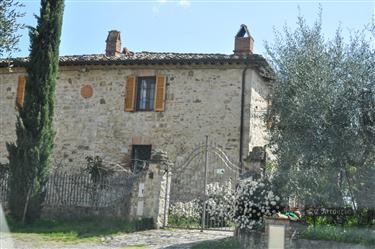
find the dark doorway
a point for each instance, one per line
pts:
(141, 154)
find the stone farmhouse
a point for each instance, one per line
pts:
(121, 104)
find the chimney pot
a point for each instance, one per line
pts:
(113, 43)
(127, 52)
(243, 42)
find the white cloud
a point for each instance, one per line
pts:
(184, 3)
(162, 1)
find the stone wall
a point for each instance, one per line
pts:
(256, 135)
(260, 91)
(72, 213)
(199, 101)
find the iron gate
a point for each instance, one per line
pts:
(202, 189)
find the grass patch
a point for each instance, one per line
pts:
(183, 222)
(135, 247)
(80, 230)
(341, 234)
(226, 243)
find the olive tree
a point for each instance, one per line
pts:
(9, 13)
(323, 115)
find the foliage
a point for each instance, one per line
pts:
(98, 174)
(323, 116)
(96, 169)
(246, 205)
(134, 247)
(190, 211)
(9, 13)
(255, 200)
(183, 221)
(341, 234)
(221, 203)
(227, 243)
(78, 230)
(29, 156)
(219, 208)
(363, 217)
(4, 168)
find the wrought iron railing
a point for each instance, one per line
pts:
(81, 190)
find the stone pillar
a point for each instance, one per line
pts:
(291, 230)
(148, 200)
(255, 163)
(250, 239)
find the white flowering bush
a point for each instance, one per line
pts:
(246, 205)
(254, 200)
(219, 207)
(191, 209)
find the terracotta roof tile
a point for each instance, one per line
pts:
(154, 58)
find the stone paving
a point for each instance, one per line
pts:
(171, 239)
(151, 239)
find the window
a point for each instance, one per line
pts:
(145, 93)
(141, 154)
(21, 91)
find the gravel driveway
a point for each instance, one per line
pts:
(151, 239)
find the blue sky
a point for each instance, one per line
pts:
(202, 26)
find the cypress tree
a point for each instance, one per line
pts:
(29, 156)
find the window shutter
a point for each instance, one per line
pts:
(21, 90)
(160, 90)
(130, 93)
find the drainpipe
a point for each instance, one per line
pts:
(242, 115)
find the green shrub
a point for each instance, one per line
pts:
(341, 234)
(96, 168)
(188, 222)
(4, 168)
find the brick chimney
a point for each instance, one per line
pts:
(243, 42)
(113, 43)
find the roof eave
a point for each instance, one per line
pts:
(258, 62)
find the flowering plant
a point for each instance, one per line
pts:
(246, 205)
(191, 209)
(219, 206)
(254, 200)
(220, 202)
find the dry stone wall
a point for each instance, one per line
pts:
(260, 91)
(199, 101)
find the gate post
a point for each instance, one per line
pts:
(166, 199)
(205, 184)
